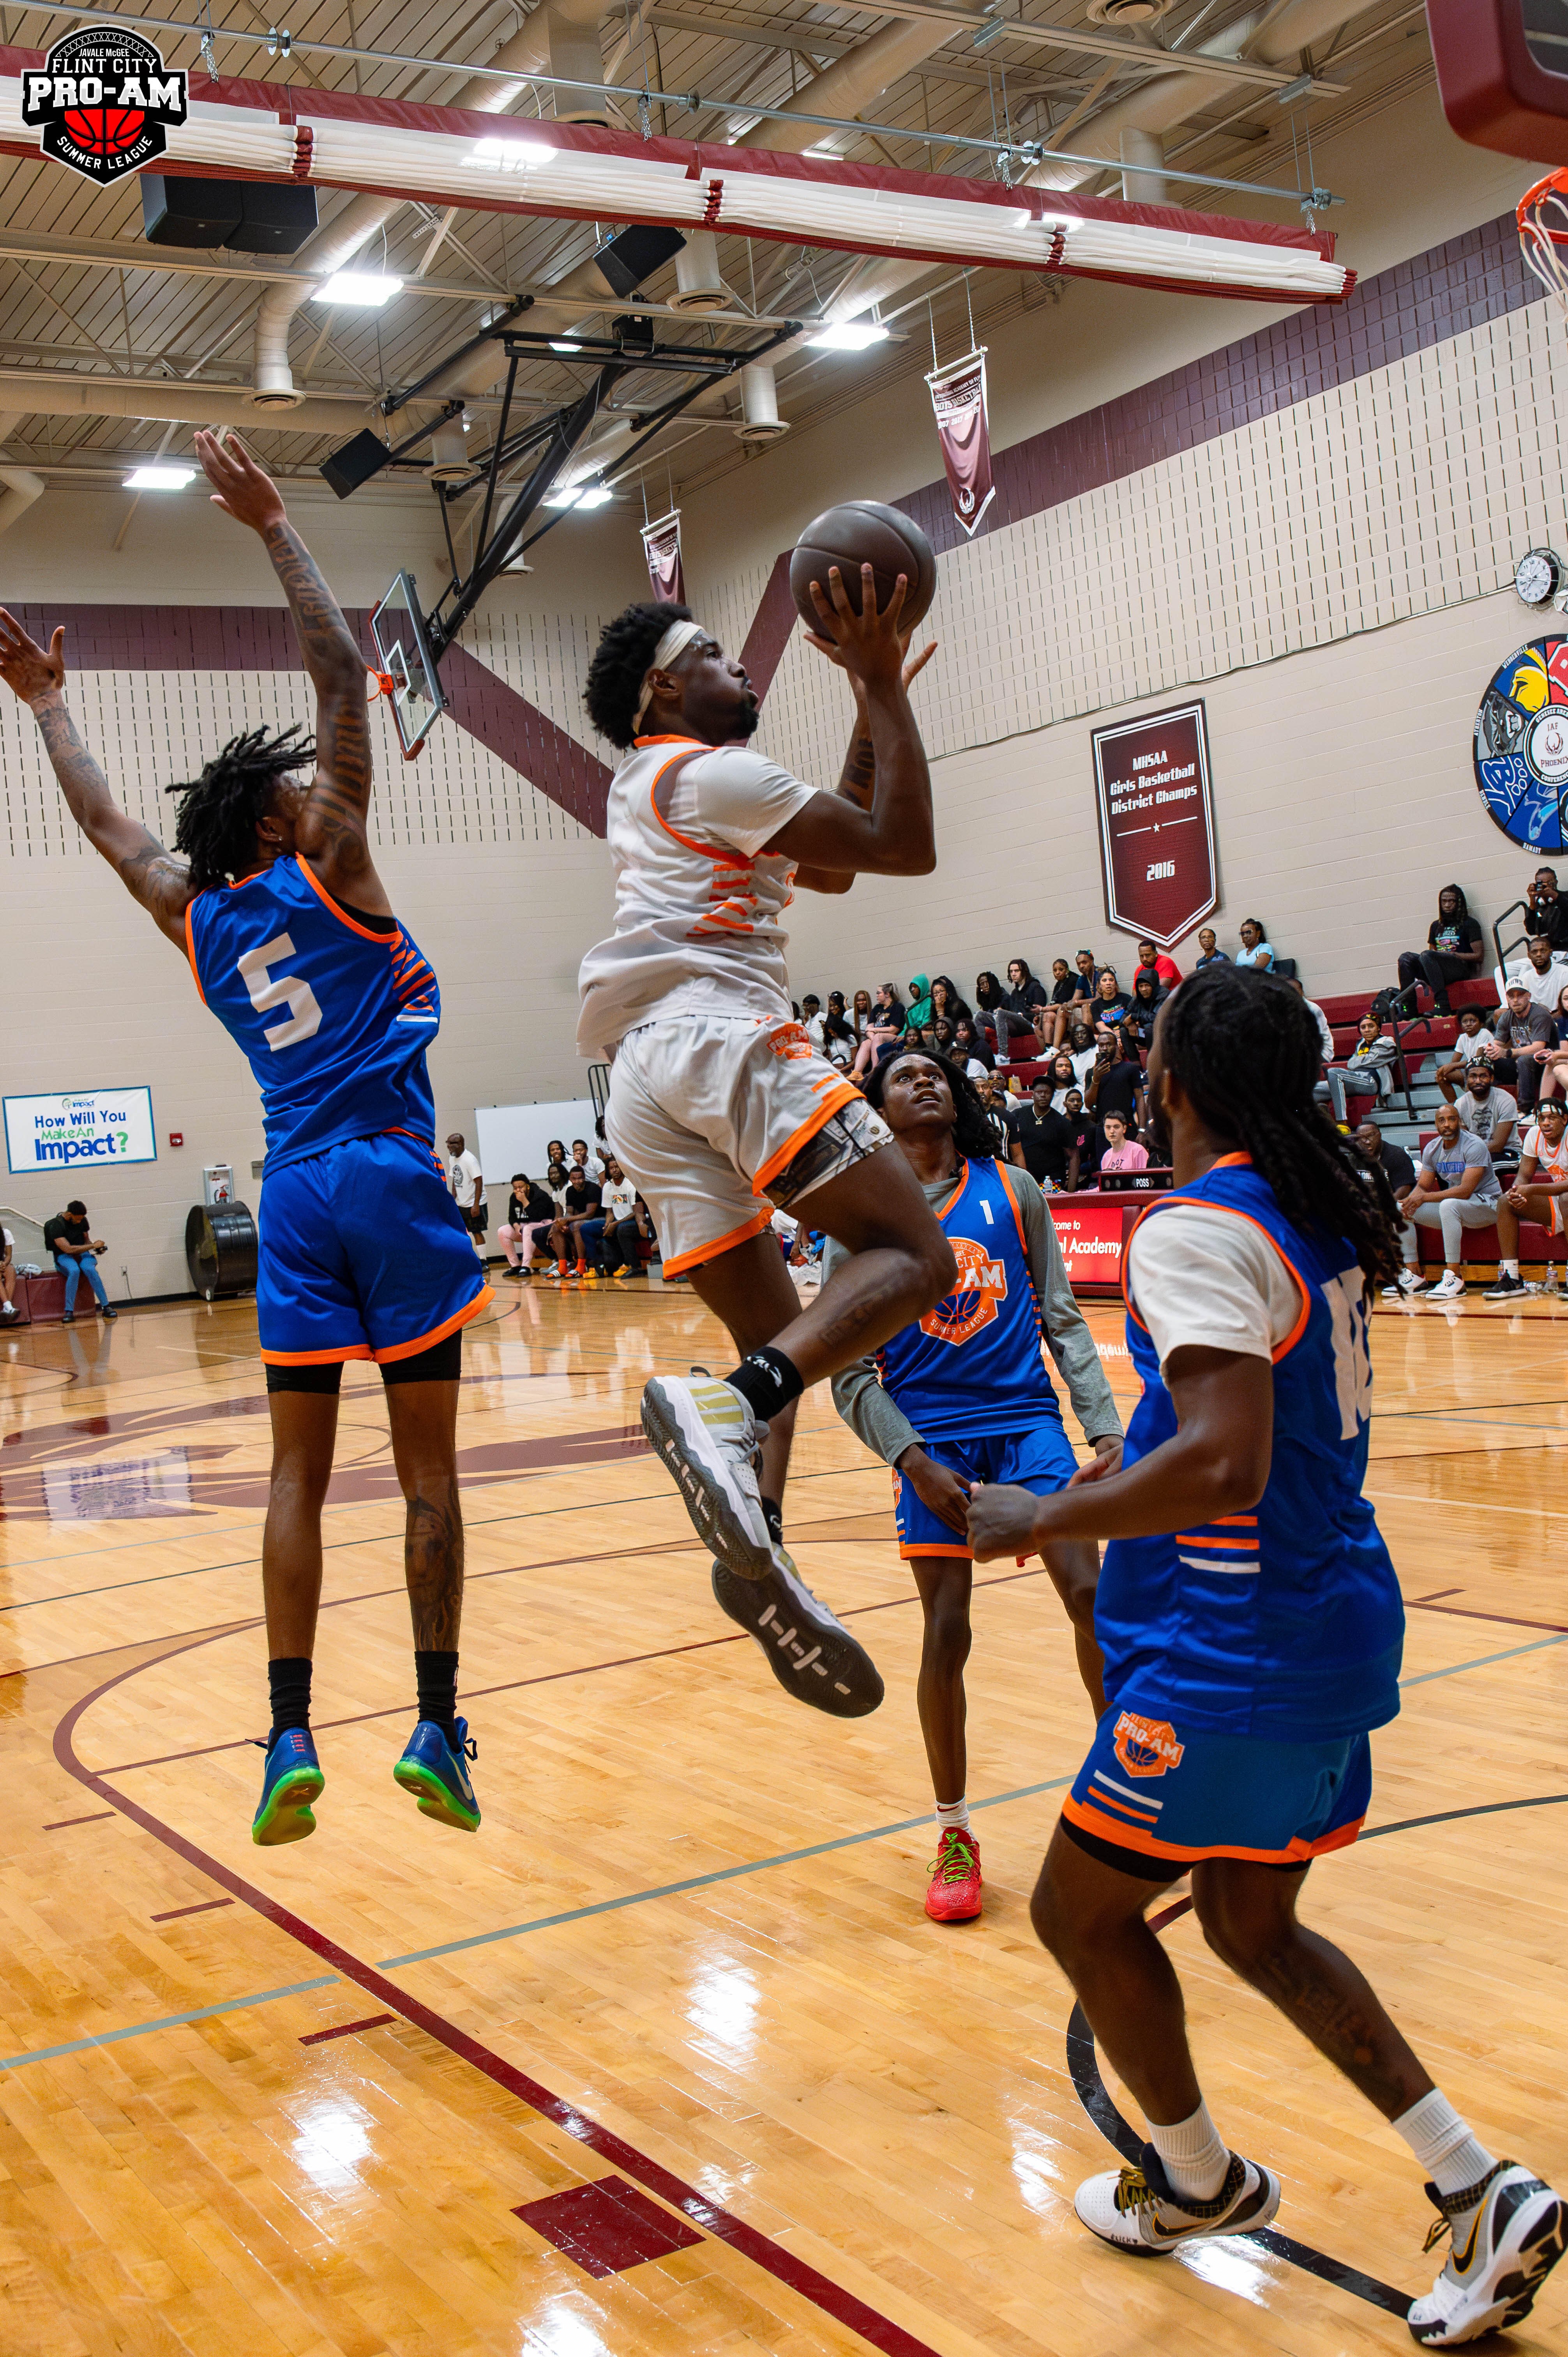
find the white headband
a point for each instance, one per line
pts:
(675, 641)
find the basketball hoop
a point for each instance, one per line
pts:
(1542, 216)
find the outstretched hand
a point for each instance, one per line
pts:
(240, 487)
(26, 671)
(868, 644)
(913, 664)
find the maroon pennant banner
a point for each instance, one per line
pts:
(661, 546)
(958, 397)
(1157, 822)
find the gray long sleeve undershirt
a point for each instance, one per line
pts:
(874, 1415)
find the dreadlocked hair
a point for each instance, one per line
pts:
(616, 674)
(971, 1131)
(1247, 1053)
(217, 824)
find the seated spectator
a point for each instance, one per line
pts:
(1087, 1136)
(611, 1242)
(583, 1159)
(1042, 1141)
(579, 1203)
(1060, 1079)
(8, 1275)
(993, 1097)
(529, 1213)
(969, 1050)
(1115, 1081)
(1121, 1152)
(1165, 971)
(1081, 1046)
(1544, 913)
(946, 1003)
(1065, 996)
(1536, 1194)
(1455, 1188)
(1209, 950)
(811, 1019)
(1028, 997)
(999, 1023)
(839, 1043)
(1519, 1048)
(1148, 996)
(919, 1015)
(1487, 1111)
(75, 1249)
(1398, 1167)
(1111, 1001)
(883, 1031)
(1255, 951)
(1370, 1065)
(859, 1014)
(1452, 952)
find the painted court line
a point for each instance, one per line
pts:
(169, 2021)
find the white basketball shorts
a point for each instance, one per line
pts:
(719, 1120)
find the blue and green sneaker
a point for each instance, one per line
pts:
(437, 1775)
(291, 1781)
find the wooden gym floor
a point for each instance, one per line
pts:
(668, 2057)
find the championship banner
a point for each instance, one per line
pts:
(958, 397)
(661, 546)
(1157, 822)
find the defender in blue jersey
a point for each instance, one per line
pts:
(962, 1395)
(295, 948)
(1252, 1626)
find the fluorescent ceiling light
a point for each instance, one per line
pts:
(848, 335)
(362, 289)
(565, 344)
(578, 495)
(159, 478)
(512, 154)
(825, 151)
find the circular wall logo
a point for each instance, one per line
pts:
(1521, 746)
(102, 102)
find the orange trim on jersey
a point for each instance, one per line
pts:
(1118, 1831)
(190, 952)
(957, 1191)
(315, 1358)
(437, 1333)
(724, 852)
(1001, 1169)
(844, 1094)
(1281, 1349)
(749, 1228)
(387, 941)
(965, 1555)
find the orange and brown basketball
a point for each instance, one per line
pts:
(857, 532)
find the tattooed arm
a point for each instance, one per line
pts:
(857, 780)
(331, 828)
(152, 874)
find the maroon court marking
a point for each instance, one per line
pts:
(607, 2226)
(202, 1907)
(342, 2029)
(796, 2274)
(1168, 1914)
(60, 1824)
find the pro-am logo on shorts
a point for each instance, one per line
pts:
(1147, 1747)
(790, 1042)
(102, 102)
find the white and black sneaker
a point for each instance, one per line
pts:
(706, 1436)
(1405, 1285)
(1507, 1288)
(1507, 2233)
(1137, 2210)
(811, 1654)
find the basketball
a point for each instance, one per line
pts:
(106, 130)
(857, 532)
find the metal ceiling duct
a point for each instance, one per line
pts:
(698, 285)
(851, 82)
(19, 487)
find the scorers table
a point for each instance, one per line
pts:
(1092, 1228)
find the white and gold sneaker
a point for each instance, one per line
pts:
(1137, 2210)
(706, 1436)
(1507, 2233)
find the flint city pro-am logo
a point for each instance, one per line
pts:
(1147, 1747)
(102, 102)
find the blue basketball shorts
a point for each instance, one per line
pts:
(1152, 1797)
(363, 1255)
(1039, 1457)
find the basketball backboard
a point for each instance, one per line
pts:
(1502, 70)
(403, 644)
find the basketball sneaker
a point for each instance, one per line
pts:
(437, 1775)
(1507, 1288)
(1507, 2234)
(706, 1436)
(291, 1781)
(954, 1894)
(811, 1654)
(1137, 2210)
(1450, 1286)
(1407, 1282)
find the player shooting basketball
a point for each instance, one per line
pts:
(720, 1108)
(295, 948)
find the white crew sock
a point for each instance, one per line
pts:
(1446, 2144)
(1511, 1268)
(954, 1815)
(1196, 2159)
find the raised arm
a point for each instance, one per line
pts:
(857, 778)
(150, 873)
(332, 829)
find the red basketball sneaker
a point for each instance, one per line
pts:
(954, 1894)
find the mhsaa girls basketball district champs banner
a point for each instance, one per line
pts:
(1157, 822)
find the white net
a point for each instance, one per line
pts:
(1542, 216)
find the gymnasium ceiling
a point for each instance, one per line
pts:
(61, 314)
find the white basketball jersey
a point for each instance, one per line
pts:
(698, 904)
